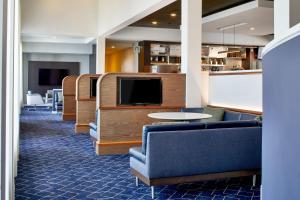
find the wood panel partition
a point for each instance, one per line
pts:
(120, 127)
(69, 100)
(85, 104)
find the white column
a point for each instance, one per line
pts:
(281, 16)
(100, 55)
(191, 40)
(294, 12)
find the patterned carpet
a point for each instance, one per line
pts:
(57, 164)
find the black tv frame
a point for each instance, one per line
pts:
(138, 78)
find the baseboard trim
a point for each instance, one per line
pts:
(69, 116)
(115, 148)
(82, 128)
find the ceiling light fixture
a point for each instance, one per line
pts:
(173, 14)
(234, 49)
(252, 28)
(154, 22)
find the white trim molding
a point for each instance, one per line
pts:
(287, 36)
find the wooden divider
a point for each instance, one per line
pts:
(85, 104)
(69, 100)
(120, 127)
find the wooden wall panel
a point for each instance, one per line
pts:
(125, 124)
(69, 101)
(120, 127)
(85, 105)
(173, 88)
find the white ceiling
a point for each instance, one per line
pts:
(259, 17)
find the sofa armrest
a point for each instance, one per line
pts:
(194, 152)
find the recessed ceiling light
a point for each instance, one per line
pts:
(154, 22)
(252, 28)
(173, 14)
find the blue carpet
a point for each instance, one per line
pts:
(57, 164)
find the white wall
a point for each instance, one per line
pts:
(56, 17)
(117, 14)
(174, 35)
(57, 48)
(236, 91)
(83, 59)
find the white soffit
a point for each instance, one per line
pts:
(36, 38)
(257, 14)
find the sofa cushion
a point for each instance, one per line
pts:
(217, 114)
(169, 127)
(231, 116)
(193, 110)
(246, 116)
(136, 152)
(93, 126)
(231, 124)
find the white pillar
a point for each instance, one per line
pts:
(191, 40)
(281, 16)
(100, 55)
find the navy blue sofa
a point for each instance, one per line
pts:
(179, 153)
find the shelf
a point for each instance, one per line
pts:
(237, 58)
(159, 55)
(165, 63)
(212, 65)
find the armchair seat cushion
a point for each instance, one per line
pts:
(94, 134)
(136, 152)
(93, 126)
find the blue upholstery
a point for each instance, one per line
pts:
(231, 124)
(216, 113)
(194, 110)
(173, 127)
(231, 116)
(198, 148)
(94, 134)
(184, 153)
(246, 116)
(93, 126)
(228, 115)
(136, 152)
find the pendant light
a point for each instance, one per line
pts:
(234, 49)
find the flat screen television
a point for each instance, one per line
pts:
(139, 91)
(93, 92)
(52, 77)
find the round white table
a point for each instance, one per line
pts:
(179, 116)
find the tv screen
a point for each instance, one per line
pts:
(52, 76)
(139, 91)
(93, 92)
